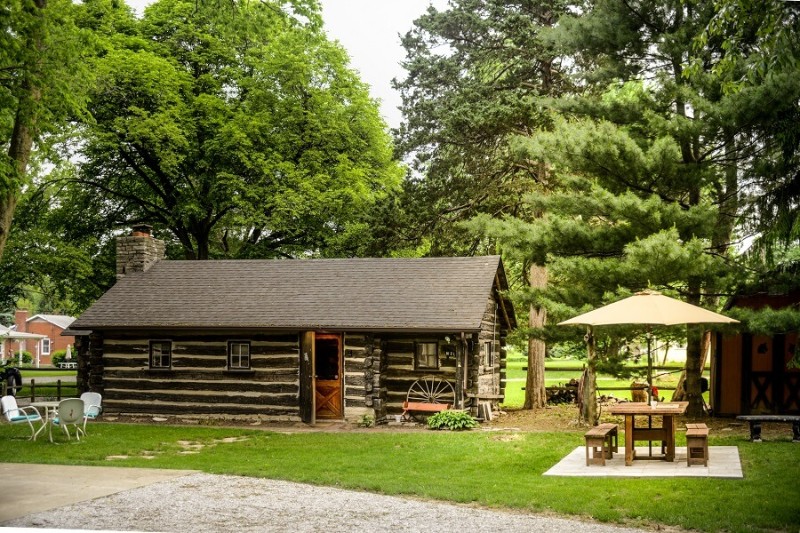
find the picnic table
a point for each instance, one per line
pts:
(665, 434)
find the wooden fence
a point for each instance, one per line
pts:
(579, 371)
(44, 389)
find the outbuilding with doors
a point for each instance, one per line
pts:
(751, 373)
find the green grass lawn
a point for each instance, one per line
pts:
(495, 469)
(55, 373)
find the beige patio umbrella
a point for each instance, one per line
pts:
(650, 308)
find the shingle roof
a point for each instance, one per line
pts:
(343, 294)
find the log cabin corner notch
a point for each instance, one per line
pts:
(297, 340)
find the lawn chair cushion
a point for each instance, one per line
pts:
(24, 418)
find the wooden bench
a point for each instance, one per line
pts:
(601, 443)
(419, 407)
(696, 444)
(756, 421)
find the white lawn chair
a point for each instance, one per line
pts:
(92, 407)
(69, 413)
(21, 415)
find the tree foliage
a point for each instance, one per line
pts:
(760, 44)
(41, 75)
(475, 72)
(57, 259)
(239, 128)
(637, 169)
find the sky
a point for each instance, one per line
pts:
(370, 32)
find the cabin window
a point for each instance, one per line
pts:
(238, 355)
(45, 346)
(160, 354)
(426, 355)
(487, 354)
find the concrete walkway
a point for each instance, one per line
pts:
(32, 488)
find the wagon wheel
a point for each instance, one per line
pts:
(430, 389)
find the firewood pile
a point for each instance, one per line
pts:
(563, 393)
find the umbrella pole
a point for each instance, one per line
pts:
(649, 368)
(649, 387)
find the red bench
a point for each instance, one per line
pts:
(418, 407)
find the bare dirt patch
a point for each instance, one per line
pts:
(564, 417)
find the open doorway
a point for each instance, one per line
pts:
(328, 389)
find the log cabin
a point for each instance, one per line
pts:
(293, 340)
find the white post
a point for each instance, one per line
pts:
(21, 348)
(38, 350)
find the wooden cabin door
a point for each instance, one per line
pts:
(328, 390)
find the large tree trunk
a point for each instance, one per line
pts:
(728, 199)
(535, 391)
(694, 370)
(21, 142)
(8, 203)
(19, 151)
(588, 390)
(680, 389)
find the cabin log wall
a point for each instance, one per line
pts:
(489, 369)
(399, 371)
(379, 369)
(199, 381)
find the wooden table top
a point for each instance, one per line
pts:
(641, 408)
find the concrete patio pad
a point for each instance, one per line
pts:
(723, 461)
(30, 488)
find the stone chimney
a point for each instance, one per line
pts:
(138, 251)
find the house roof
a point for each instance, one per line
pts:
(432, 294)
(9, 333)
(62, 321)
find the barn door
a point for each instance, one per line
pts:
(307, 409)
(328, 397)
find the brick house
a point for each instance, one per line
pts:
(51, 326)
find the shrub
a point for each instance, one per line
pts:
(366, 421)
(57, 357)
(452, 420)
(27, 358)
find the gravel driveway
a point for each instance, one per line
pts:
(205, 502)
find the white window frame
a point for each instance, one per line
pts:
(235, 359)
(419, 364)
(161, 356)
(46, 345)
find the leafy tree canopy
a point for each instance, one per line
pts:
(239, 129)
(41, 76)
